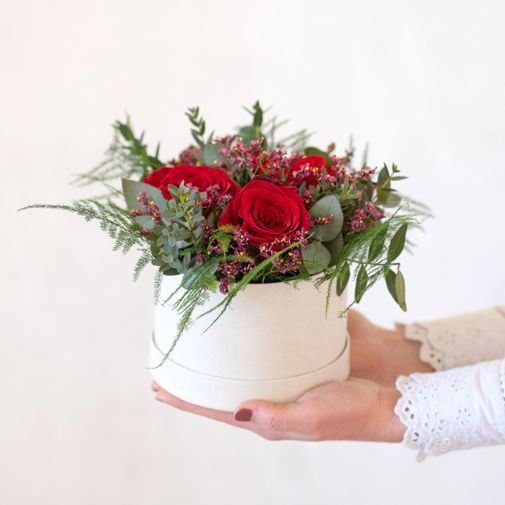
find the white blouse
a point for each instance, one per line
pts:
(462, 404)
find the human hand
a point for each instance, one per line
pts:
(356, 409)
(381, 355)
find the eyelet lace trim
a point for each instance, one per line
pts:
(502, 379)
(452, 410)
(461, 340)
(436, 413)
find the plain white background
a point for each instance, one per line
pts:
(422, 81)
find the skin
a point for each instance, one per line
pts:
(361, 408)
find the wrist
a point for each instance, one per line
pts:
(389, 426)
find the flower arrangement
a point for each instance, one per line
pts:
(248, 208)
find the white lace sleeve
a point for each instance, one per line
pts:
(454, 409)
(461, 340)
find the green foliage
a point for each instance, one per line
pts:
(395, 283)
(253, 131)
(257, 116)
(131, 190)
(157, 286)
(179, 238)
(327, 207)
(144, 259)
(377, 244)
(198, 123)
(316, 257)
(335, 247)
(373, 262)
(126, 158)
(400, 290)
(223, 237)
(361, 283)
(397, 242)
(211, 155)
(390, 278)
(173, 240)
(387, 196)
(343, 277)
(297, 141)
(116, 222)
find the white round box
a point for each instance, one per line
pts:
(274, 342)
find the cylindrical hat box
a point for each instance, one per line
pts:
(275, 342)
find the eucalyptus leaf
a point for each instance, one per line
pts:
(361, 284)
(146, 222)
(181, 244)
(131, 190)
(335, 247)
(247, 133)
(328, 206)
(397, 242)
(316, 257)
(211, 154)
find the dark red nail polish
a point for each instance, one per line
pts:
(243, 415)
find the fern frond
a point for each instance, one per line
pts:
(144, 260)
(126, 158)
(157, 286)
(114, 220)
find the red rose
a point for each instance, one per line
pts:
(201, 177)
(306, 169)
(266, 211)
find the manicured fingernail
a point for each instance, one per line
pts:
(243, 415)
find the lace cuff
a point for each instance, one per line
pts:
(455, 409)
(461, 340)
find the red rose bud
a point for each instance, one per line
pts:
(308, 169)
(215, 181)
(266, 212)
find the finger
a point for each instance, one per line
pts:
(154, 386)
(169, 399)
(274, 417)
(218, 415)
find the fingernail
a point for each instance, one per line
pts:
(243, 415)
(155, 386)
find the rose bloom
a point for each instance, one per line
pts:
(305, 170)
(266, 211)
(201, 177)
